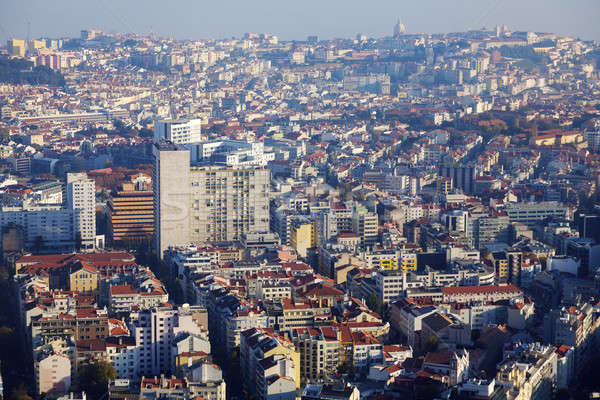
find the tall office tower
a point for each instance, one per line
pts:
(463, 176)
(206, 203)
(171, 197)
(181, 131)
(81, 199)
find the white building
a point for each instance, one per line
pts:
(182, 131)
(81, 199)
(231, 152)
(154, 331)
(55, 226)
(124, 355)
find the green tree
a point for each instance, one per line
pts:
(375, 304)
(94, 378)
(4, 135)
(19, 393)
(562, 394)
(39, 244)
(431, 344)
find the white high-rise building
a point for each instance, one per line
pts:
(81, 199)
(181, 131)
(154, 331)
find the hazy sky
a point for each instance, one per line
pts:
(294, 19)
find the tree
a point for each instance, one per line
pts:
(375, 304)
(431, 344)
(4, 135)
(39, 244)
(562, 394)
(19, 393)
(94, 378)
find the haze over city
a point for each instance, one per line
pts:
(192, 19)
(299, 200)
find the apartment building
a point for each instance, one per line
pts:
(304, 234)
(319, 350)
(365, 224)
(258, 345)
(530, 371)
(56, 226)
(206, 203)
(531, 213)
(465, 294)
(154, 331)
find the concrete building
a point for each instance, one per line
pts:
(365, 224)
(256, 347)
(530, 371)
(231, 152)
(463, 176)
(531, 213)
(172, 193)
(199, 204)
(577, 327)
(319, 352)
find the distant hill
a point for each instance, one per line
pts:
(20, 71)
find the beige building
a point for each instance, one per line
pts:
(319, 352)
(53, 374)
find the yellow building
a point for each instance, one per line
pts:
(500, 262)
(403, 261)
(184, 359)
(16, 47)
(84, 279)
(303, 235)
(35, 45)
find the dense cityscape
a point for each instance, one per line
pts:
(415, 216)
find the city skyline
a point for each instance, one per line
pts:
(327, 20)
